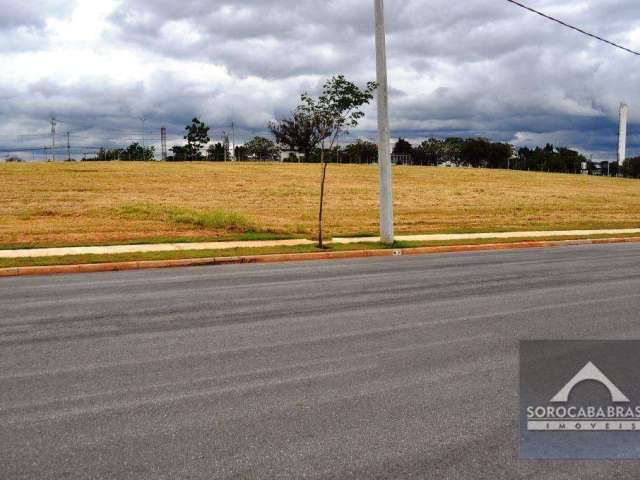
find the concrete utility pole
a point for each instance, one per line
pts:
(622, 138)
(384, 136)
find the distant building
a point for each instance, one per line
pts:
(584, 168)
(401, 159)
(599, 169)
(448, 164)
(291, 156)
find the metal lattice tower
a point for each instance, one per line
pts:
(53, 138)
(163, 141)
(226, 146)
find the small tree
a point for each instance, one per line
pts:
(216, 153)
(452, 148)
(429, 152)
(332, 114)
(403, 148)
(197, 137)
(363, 151)
(134, 153)
(179, 154)
(298, 133)
(262, 148)
(241, 153)
(632, 167)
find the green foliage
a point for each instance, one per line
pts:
(262, 149)
(429, 152)
(214, 220)
(435, 151)
(133, 153)
(338, 108)
(108, 155)
(360, 152)
(402, 147)
(197, 136)
(550, 159)
(179, 154)
(216, 153)
(632, 167)
(137, 153)
(297, 133)
(332, 114)
(241, 153)
(480, 152)
(217, 219)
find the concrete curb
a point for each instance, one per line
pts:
(298, 257)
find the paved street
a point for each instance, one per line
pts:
(384, 368)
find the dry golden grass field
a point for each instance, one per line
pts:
(107, 203)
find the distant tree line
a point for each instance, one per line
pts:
(199, 149)
(296, 134)
(551, 159)
(483, 153)
(133, 153)
(632, 167)
(460, 152)
(297, 139)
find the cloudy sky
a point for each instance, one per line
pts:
(473, 67)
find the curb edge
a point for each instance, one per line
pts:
(299, 257)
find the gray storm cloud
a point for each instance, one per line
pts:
(33, 13)
(479, 67)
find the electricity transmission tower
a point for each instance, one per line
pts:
(225, 146)
(163, 141)
(54, 122)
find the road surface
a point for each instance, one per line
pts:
(384, 368)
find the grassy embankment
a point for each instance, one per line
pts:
(121, 203)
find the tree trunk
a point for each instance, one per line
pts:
(322, 184)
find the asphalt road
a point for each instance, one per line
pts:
(384, 368)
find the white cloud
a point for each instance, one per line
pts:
(468, 68)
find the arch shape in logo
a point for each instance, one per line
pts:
(593, 373)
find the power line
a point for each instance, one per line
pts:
(548, 17)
